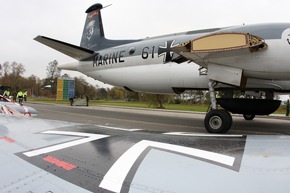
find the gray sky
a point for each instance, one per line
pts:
(21, 21)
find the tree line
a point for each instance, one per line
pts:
(11, 74)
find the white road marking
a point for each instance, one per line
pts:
(201, 134)
(115, 177)
(117, 128)
(88, 137)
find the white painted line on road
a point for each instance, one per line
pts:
(88, 137)
(201, 134)
(117, 128)
(116, 175)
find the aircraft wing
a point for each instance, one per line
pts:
(41, 155)
(218, 45)
(73, 51)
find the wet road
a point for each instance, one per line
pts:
(157, 120)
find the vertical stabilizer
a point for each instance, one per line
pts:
(93, 37)
(93, 33)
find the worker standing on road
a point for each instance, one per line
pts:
(20, 97)
(287, 108)
(25, 95)
(6, 94)
(71, 100)
(87, 100)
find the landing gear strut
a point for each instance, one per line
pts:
(216, 121)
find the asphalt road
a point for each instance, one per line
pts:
(157, 120)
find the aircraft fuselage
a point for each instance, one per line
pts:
(146, 65)
(247, 57)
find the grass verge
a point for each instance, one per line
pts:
(180, 107)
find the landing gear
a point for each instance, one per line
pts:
(220, 121)
(249, 117)
(216, 121)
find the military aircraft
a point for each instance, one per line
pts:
(250, 58)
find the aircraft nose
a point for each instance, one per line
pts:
(69, 66)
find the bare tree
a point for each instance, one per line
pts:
(52, 71)
(6, 68)
(17, 69)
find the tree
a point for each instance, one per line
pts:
(156, 100)
(5, 72)
(80, 84)
(17, 69)
(6, 69)
(33, 85)
(12, 75)
(90, 91)
(52, 71)
(83, 88)
(102, 93)
(116, 93)
(132, 96)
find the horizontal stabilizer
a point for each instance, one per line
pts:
(73, 51)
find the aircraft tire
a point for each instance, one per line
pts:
(218, 121)
(230, 120)
(248, 117)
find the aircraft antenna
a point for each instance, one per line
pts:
(107, 6)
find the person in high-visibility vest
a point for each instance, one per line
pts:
(6, 95)
(20, 97)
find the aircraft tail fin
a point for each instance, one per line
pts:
(93, 37)
(93, 32)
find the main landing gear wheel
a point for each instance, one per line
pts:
(218, 121)
(249, 117)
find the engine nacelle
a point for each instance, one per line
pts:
(249, 106)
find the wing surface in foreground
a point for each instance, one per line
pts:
(40, 155)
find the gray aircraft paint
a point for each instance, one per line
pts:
(261, 163)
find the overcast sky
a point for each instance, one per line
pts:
(21, 21)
